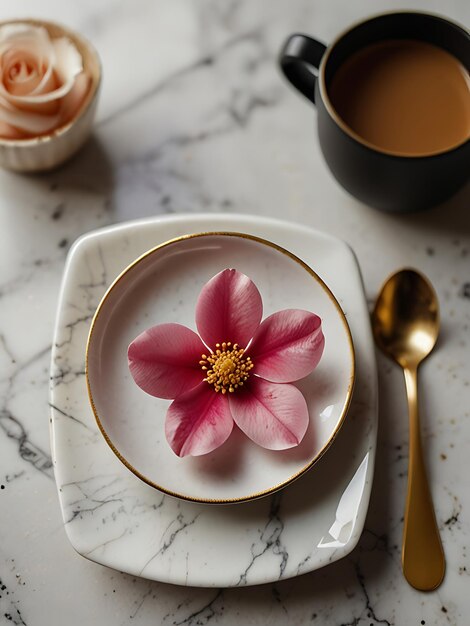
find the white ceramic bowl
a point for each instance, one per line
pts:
(162, 286)
(48, 151)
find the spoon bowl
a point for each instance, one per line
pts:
(406, 318)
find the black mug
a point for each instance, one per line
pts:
(386, 181)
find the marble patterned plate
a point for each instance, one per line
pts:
(163, 285)
(115, 519)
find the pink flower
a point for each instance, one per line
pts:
(214, 382)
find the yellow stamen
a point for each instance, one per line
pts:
(226, 368)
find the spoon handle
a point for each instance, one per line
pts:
(422, 554)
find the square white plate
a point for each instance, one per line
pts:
(113, 518)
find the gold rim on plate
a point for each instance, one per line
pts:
(344, 411)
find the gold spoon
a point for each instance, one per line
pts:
(405, 323)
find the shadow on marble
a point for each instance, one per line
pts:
(89, 170)
(450, 216)
(447, 333)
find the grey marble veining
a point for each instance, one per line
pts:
(195, 116)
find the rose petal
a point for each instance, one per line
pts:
(49, 79)
(229, 308)
(68, 65)
(198, 422)
(27, 121)
(287, 346)
(9, 132)
(272, 415)
(164, 360)
(61, 57)
(72, 102)
(45, 72)
(47, 108)
(26, 37)
(18, 90)
(21, 73)
(21, 41)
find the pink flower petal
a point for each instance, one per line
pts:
(229, 308)
(272, 415)
(287, 346)
(164, 360)
(198, 422)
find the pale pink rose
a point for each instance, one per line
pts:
(42, 81)
(237, 370)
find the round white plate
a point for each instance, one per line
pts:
(162, 286)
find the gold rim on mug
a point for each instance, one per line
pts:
(349, 392)
(331, 109)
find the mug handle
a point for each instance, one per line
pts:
(299, 60)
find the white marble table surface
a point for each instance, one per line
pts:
(194, 116)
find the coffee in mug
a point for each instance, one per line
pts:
(404, 96)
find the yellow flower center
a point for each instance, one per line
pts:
(226, 369)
